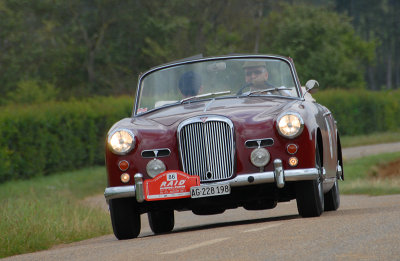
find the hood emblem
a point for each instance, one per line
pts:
(203, 119)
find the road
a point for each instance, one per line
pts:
(364, 228)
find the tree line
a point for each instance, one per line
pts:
(56, 49)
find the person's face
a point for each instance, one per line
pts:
(256, 75)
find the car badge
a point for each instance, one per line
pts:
(203, 119)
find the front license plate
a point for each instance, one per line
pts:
(209, 190)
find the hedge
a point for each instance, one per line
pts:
(362, 112)
(56, 136)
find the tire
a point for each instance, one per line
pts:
(125, 218)
(161, 221)
(332, 198)
(310, 194)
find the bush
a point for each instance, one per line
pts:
(362, 112)
(31, 92)
(56, 136)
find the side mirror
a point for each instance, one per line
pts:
(310, 85)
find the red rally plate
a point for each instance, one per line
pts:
(171, 184)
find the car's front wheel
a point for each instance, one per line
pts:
(125, 218)
(161, 221)
(332, 198)
(310, 193)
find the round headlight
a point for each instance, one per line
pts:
(260, 157)
(155, 167)
(290, 125)
(121, 141)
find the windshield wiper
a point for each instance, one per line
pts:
(205, 95)
(269, 89)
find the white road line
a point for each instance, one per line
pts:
(202, 244)
(261, 228)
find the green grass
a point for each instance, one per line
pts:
(360, 176)
(42, 212)
(370, 139)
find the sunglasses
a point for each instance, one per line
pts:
(256, 72)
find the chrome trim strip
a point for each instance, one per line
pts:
(327, 113)
(301, 174)
(259, 140)
(156, 152)
(120, 192)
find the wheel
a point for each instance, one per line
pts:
(310, 193)
(332, 198)
(125, 218)
(240, 91)
(161, 221)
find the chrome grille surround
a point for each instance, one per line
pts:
(207, 147)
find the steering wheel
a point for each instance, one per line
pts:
(240, 91)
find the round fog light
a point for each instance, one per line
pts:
(293, 161)
(155, 167)
(260, 157)
(125, 178)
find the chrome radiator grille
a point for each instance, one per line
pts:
(207, 147)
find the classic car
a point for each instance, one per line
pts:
(217, 133)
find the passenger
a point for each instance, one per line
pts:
(190, 84)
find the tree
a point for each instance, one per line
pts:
(323, 43)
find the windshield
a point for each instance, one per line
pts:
(234, 77)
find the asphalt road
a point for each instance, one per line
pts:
(364, 228)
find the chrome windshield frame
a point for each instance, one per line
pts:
(178, 63)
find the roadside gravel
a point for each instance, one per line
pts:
(362, 151)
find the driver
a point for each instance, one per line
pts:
(256, 75)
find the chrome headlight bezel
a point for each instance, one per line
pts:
(293, 117)
(129, 144)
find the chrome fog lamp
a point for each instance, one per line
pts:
(290, 125)
(121, 141)
(260, 157)
(155, 167)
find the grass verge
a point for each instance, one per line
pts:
(370, 139)
(361, 176)
(42, 212)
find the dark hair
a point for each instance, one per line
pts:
(189, 83)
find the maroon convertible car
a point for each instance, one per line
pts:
(210, 134)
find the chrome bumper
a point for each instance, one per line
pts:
(278, 176)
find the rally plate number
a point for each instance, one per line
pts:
(209, 190)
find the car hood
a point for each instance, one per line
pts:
(244, 109)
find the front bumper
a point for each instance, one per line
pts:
(278, 176)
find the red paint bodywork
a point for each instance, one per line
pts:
(253, 118)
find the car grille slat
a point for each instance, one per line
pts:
(207, 147)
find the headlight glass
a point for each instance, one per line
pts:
(155, 167)
(290, 125)
(121, 141)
